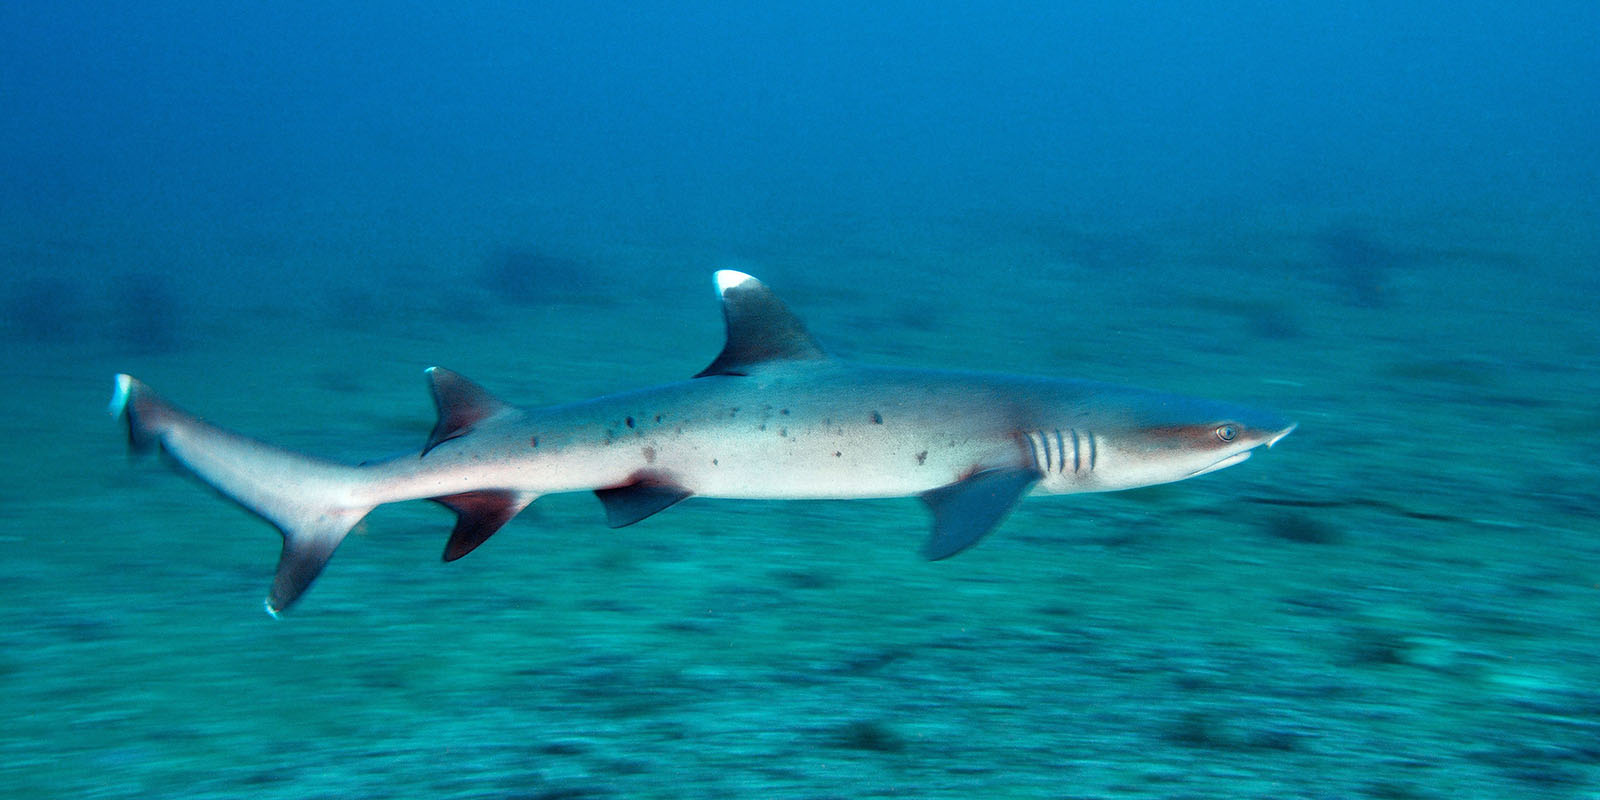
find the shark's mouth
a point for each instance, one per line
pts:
(1226, 462)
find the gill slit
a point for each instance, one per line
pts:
(1049, 450)
(1036, 448)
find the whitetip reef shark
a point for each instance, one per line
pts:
(772, 417)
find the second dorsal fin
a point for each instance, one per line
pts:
(761, 328)
(461, 403)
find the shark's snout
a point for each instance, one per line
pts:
(1248, 443)
(1288, 429)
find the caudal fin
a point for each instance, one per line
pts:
(312, 502)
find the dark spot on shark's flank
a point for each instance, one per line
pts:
(649, 455)
(763, 426)
(922, 457)
(877, 419)
(836, 454)
(628, 421)
(534, 442)
(713, 462)
(658, 418)
(783, 411)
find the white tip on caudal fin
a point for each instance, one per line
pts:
(309, 500)
(121, 389)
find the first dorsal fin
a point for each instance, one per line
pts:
(761, 328)
(461, 403)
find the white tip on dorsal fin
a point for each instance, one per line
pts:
(761, 328)
(729, 278)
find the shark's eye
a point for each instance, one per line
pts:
(1227, 433)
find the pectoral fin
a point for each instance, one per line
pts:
(626, 505)
(969, 508)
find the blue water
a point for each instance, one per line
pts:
(1380, 219)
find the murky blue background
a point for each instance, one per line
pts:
(1378, 218)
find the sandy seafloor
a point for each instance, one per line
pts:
(1399, 601)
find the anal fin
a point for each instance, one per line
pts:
(969, 508)
(628, 504)
(478, 515)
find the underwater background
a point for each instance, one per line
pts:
(1381, 219)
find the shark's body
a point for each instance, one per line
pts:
(772, 417)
